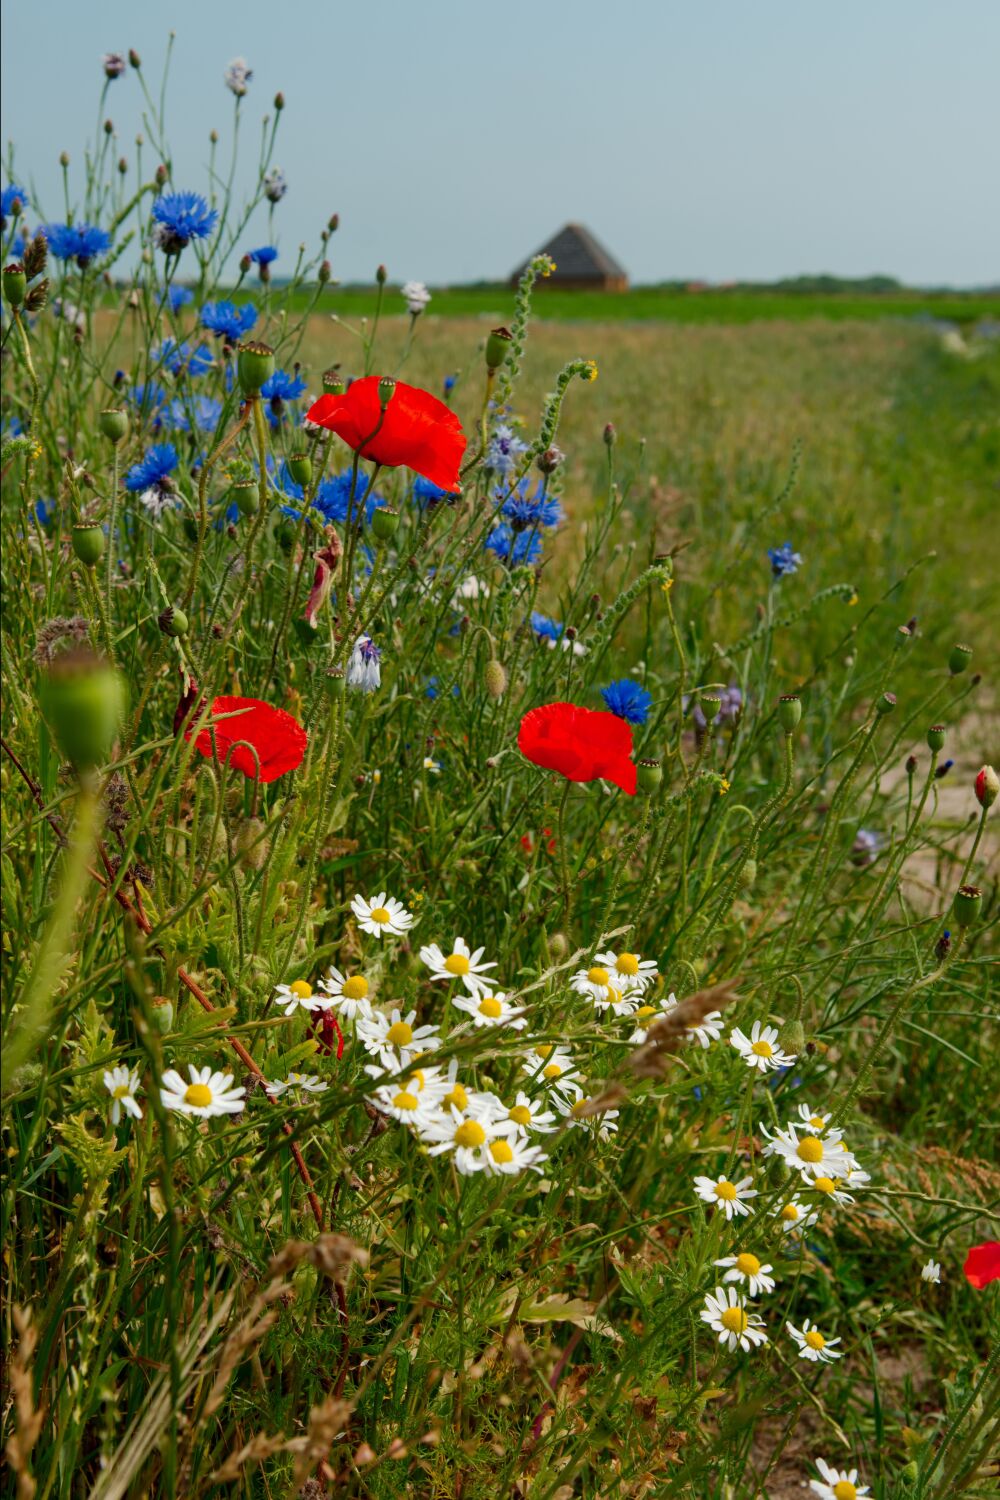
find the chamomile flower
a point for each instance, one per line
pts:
(348, 994)
(746, 1267)
(506, 1156)
(122, 1084)
(394, 1039)
(726, 1314)
(731, 1197)
(554, 1066)
(760, 1049)
(708, 1029)
(207, 1093)
(795, 1216)
(300, 993)
(297, 1084)
(492, 1010)
(930, 1271)
(461, 963)
(646, 1015)
(837, 1484)
(382, 915)
(812, 1344)
(628, 970)
(463, 1135)
(529, 1114)
(812, 1155)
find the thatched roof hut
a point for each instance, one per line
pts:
(581, 262)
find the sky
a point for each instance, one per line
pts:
(714, 139)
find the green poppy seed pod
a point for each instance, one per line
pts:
(648, 776)
(381, 275)
(793, 1038)
(959, 659)
(15, 283)
(300, 467)
(967, 905)
(88, 544)
(987, 786)
(748, 874)
(935, 737)
(255, 365)
(335, 682)
(497, 344)
(163, 1015)
(495, 677)
(113, 422)
(246, 493)
(386, 387)
(173, 622)
(789, 712)
(83, 698)
(885, 703)
(385, 520)
(334, 383)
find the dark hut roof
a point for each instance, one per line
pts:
(578, 254)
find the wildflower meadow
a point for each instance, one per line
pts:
(499, 920)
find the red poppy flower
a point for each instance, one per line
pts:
(279, 740)
(982, 1264)
(582, 744)
(417, 429)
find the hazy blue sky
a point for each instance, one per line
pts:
(708, 138)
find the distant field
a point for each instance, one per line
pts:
(669, 304)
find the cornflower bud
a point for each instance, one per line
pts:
(987, 786)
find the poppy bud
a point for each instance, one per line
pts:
(113, 422)
(967, 905)
(496, 347)
(911, 764)
(163, 1015)
(885, 704)
(15, 283)
(173, 621)
(648, 776)
(748, 874)
(335, 682)
(381, 275)
(84, 700)
(987, 786)
(935, 737)
(324, 273)
(88, 544)
(247, 496)
(959, 659)
(300, 467)
(279, 101)
(334, 383)
(789, 711)
(495, 677)
(386, 387)
(610, 435)
(255, 366)
(384, 522)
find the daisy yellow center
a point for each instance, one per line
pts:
(457, 963)
(488, 1006)
(790, 1212)
(747, 1263)
(598, 975)
(406, 1100)
(121, 1092)
(356, 988)
(627, 963)
(551, 1070)
(520, 1114)
(198, 1094)
(762, 1048)
(725, 1191)
(814, 1339)
(810, 1149)
(470, 1133)
(645, 1010)
(400, 1034)
(458, 1097)
(501, 1151)
(302, 988)
(543, 1050)
(845, 1490)
(380, 914)
(735, 1319)
(825, 1185)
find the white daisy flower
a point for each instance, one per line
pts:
(417, 297)
(463, 1135)
(508, 1155)
(348, 994)
(708, 1029)
(760, 1049)
(208, 1093)
(647, 1014)
(461, 963)
(530, 1114)
(812, 1155)
(394, 1039)
(122, 1084)
(731, 1197)
(795, 1216)
(300, 993)
(812, 1344)
(628, 970)
(297, 1083)
(837, 1484)
(746, 1267)
(725, 1313)
(382, 916)
(554, 1066)
(931, 1271)
(492, 1010)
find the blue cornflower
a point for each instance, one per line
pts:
(265, 255)
(514, 548)
(205, 410)
(226, 320)
(183, 359)
(333, 497)
(784, 560)
(151, 481)
(504, 450)
(522, 511)
(181, 218)
(179, 296)
(8, 198)
(628, 700)
(79, 242)
(548, 630)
